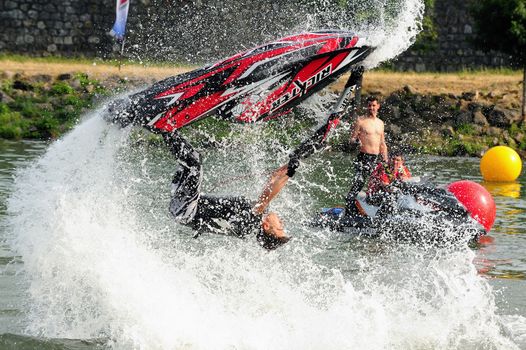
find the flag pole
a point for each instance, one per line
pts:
(121, 53)
(119, 28)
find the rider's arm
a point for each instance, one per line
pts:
(277, 180)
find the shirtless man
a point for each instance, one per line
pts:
(368, 132)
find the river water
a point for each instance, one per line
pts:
(90, 258)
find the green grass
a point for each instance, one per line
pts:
(12, 125)
(47, 111)
(61, 88)
(466, 129)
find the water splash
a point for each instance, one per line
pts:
(103, 259)
(391, 26)
(396, 34)
(206, 32)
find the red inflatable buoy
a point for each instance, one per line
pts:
(477, 200)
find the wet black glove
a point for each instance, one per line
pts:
(294, 163)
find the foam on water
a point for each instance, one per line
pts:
(103, 259)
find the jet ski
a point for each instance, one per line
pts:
(415, 211)
(259, 84)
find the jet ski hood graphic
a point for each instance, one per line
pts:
(258, 84)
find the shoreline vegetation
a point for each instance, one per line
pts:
(450, 114)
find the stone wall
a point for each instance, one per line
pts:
(195, 31)
(177, 30)
(453, 49)
(45, 27)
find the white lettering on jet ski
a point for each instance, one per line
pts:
(301, 87)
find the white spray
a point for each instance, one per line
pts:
(103, 259)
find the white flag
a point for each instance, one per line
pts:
(119, 28)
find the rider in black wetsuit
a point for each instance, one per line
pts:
(225, 215)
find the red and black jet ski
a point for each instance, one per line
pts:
(258, 84)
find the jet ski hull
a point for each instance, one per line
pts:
(259, 84)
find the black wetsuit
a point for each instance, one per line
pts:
(364, 165)
(203, 213)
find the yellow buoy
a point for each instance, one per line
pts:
(500, 164)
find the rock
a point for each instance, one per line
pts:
(7, 75)
(41, 78)
(413, 123)
(22, 85)
(519, 138)
(478, 129)
(447, 131)
(409, 90)
(493, 94)
(468, 96)
(23, 93)
(135, 82)
(93, 39)
(44, 106)
(390, 113)
(89, 88)
(493, 131)
(416, 102)
(52, 48)
(474, 106)
(440, 99)
(112, 82)
(393, 99)
(429, 116)
(64, 76)
(5, 98)
(69, 108)
(75, 84)
(462, 117)
(509, 140)
(420, 67)
(19, 76)
(502, 118)
(479, 118)
(394, 130)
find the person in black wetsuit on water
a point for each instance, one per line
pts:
(224, 215)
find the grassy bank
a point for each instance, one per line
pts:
(449, 114)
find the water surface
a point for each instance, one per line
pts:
(99, 260)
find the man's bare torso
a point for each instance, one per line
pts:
(370, 132)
